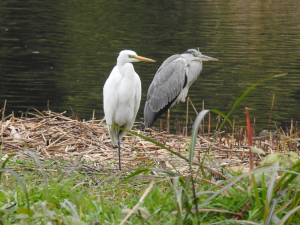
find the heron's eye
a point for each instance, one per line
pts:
(195, 55)
(130, 56)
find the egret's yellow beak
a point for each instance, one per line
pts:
(205, 58)
(140, 58)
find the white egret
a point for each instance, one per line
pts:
(171, 83)
(122, 96)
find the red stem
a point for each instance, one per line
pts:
(249, 138)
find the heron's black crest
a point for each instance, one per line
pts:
(191, 51)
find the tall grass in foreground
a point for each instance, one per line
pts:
(44, 193)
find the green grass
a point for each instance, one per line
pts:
(77, 198)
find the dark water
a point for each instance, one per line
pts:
(63, 51)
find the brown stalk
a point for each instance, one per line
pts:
(271, 112)
(187, 116)
(291, 130)
(168, 122)
(161, 125)
(93, 119)
(3, 111)
(232, 138)
(203, 121)
(208, 126)
(249, 142)
(65, 138)
(139, 202)
(193, 106)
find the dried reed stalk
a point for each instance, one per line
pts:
(187, 116)
(55, 136)
(193, 106)
(203, 121)
(208, 132)
(168, 122)
(271, 112)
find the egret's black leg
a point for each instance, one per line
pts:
(119, 143)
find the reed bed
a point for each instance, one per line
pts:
(54, 136)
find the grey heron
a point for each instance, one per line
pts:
(171, 83)
(122, 96)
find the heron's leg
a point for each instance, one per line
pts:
(119, 143)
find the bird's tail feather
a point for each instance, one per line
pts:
(113, 133)
(150, 117)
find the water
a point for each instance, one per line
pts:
(63, 51)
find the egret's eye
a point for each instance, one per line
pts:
(130, 56)
(195, 55)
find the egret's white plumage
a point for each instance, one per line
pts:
(122, 96)
(171, 83)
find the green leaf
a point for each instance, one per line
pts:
(73, 221)
(287, 216)
(25, 210)
(195, 133)
(256, 195)
(33, 155)
(257, 150)
(236, 179)
(148, 170)
(288, 181)
(221, 114)
(243, 96)
(5, 162)
(20, 183)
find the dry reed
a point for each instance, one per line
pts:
(54, 136)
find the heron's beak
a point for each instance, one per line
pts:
(206, 58)
(140, 58)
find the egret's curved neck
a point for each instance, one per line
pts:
(120, 63)
(120, 66)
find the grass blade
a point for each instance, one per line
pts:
(235, 179)
(33, 155)
(5, 162)
(195, 133)
(152, 141)
(282, 221)
(287, 181)
(178, 194)
(243, 96)
(139, 202)
(20, 183)
(192, 152)
(256, 195)
(237, 103)
(272, 182)
(221, 114)
(236, 221)
(148, 170)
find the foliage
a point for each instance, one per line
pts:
(46, 193)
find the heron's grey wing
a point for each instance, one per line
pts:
(168, 82)
(168, 61)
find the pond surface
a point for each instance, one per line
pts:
(63, 51)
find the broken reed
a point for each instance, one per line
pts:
(232, 136)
